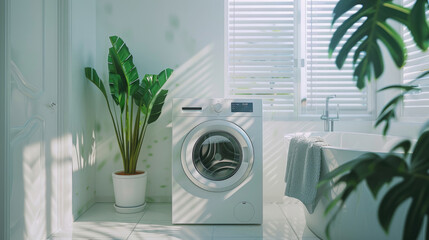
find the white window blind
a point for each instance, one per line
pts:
(260, 52)
(415, 104)
(322, 76)
(277, 50)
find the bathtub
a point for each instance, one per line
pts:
(358, 218)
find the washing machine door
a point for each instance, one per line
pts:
(217, 155)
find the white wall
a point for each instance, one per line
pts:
(80, 124)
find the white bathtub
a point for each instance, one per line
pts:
(358, 219)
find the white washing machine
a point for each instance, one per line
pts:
(217, 161)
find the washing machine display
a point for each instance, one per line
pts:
(217, 155)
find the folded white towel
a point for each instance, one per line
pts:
(303, 169)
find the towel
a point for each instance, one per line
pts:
(303, 169)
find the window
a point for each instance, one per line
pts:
(415, 104)
(277, 50)
(260, 54)
(322, 77)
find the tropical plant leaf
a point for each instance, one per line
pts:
(142, 96)
(159, 80)
(388, 113)
(157, 106)
(405, 145)
(399, 87)
(121, 62)
(92, 76)
(418, 25)
(420, 155)
(380, 170)
(126, 89)
(345, 168)
(368, 57)
(390, 202)
(156, 83)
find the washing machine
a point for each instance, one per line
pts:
(217, 161)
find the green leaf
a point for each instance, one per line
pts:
(343, 7)
(92, 76)
(159, 80)
(416, 212)
(351, 42)
(418, 25)
(393, 41)
(390, 202)
(399, 87)
(367, 58)
(157, 106)
(142, 95)
(421, 76)
(123, 64)
(396, 12)
(405, 145)
(341, 30)
(376, 58)
(339, 171)
(420, 153)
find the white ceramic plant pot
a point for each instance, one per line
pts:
(130, 191)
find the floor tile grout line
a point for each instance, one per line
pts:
(287, 219)
(144, 212)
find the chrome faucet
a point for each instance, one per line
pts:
(329, 121)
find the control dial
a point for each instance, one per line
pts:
(217, 107)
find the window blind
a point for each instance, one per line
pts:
(260, 52)
(415, 104)
(322, 76)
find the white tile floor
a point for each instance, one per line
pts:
(101, 222)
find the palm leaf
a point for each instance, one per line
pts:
(366, 38)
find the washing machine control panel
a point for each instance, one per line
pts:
(241, 107)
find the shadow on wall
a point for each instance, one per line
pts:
(193, 79)
(83, 157)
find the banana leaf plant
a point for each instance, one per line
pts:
(137, 102)
(411, 169)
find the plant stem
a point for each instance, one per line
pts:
(123, 145)
(143, 132)
(118, 138)
(131, 129)
(135, 138)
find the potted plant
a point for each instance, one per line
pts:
(137, 103)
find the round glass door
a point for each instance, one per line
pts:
(217, 155)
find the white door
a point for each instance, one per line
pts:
(33, 43)
(217, 155)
